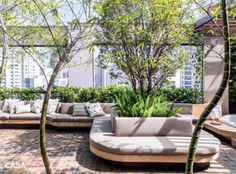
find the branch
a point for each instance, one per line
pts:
(34, 59)
(210, 16)
(49, 28)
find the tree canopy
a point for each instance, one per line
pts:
(142, 38)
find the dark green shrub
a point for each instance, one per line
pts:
(181, 95)
(100, 94)
(28, 93)
(66, 94)
(6, 93)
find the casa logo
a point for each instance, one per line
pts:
(14, 164)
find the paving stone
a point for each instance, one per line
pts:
(69, 154)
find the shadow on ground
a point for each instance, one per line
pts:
(69, 153)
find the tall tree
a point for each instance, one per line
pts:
(142, 39)
(78, 33)
(218, 95)
(3, 22)
(63, 24)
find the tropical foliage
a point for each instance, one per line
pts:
(138, 106)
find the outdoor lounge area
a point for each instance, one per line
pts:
(109, 144)
(117, 86)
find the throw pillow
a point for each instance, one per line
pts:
(1, 104)
(94, 110)
(79, 109)
(12, 106)
(52, 106)
(37, 106)
(6, 104)
(23, 109)
(67, 108)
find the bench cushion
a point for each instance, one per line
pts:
(102, 138)
(68, 118)
(152, 126)
(4, 116)
(24, 116)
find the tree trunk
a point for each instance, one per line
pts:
(218, 95)
(43, 145)
(5, 46)
(63, 59)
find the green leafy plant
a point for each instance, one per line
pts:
(138, 106)
(162, 109)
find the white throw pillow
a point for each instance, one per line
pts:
(52, 106)
(23, 109)
(12, 106)
(94, 109)
(6, 104)
(38, 105)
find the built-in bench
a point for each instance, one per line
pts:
(56, 119)
(66, 119)
(159, 140)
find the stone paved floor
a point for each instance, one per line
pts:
(69, 154)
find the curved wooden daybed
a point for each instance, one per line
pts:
(148, 149)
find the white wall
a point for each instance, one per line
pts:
(213, 73)
(80, 70)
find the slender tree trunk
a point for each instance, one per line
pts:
(63, 59)
(218, 95)
(43, 145)
(5, 45)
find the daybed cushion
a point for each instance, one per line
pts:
(68, 118)
(24, 116)
(67, 108)
(4, 116)
(153, 126)
(102, 138)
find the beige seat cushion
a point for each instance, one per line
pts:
(102, 138)
(68, 118)
(152, 126)
(24, 116)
